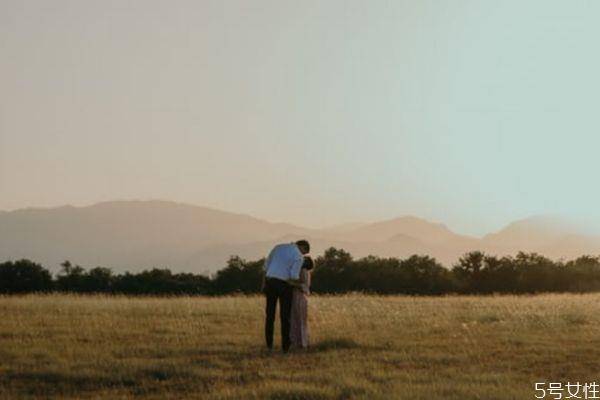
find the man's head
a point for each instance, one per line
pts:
(303, 246)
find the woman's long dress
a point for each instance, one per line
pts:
(299, 318)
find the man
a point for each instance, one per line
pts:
(283, 263)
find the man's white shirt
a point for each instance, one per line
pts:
(284, 262)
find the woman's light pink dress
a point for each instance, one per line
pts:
(299, 318)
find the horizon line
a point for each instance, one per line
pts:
(323, 228)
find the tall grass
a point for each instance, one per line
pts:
(363, 347)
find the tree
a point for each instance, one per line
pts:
(239, 276)
(329, 274)
(581, 274)
(468, 270)
(335, 272)
(498, 275)
(426, 275)
(71, 278)
(24, 276)
(98, 280)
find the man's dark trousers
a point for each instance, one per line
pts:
(276, 289)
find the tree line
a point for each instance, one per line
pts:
(336, 271)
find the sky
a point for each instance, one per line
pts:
(470, 113)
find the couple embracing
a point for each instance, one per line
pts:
(287, 281)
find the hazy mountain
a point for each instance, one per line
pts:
(343, 228)
(548, 235)
(409, 226)
(132, 235)
(405, 236)
(533, 231)
(128, 234)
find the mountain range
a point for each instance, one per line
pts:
(136, 235)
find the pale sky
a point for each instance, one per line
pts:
(471, 113)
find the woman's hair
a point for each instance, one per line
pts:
(308, 263)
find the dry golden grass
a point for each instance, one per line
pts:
(363, 347)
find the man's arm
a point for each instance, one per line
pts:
(263, 283)
(296, 267)
(267, 261)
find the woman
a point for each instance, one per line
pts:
(299, 315)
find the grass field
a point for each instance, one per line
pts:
(363, 347)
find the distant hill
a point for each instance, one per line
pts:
(133, 235)
(548, 235)
(129, 235)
